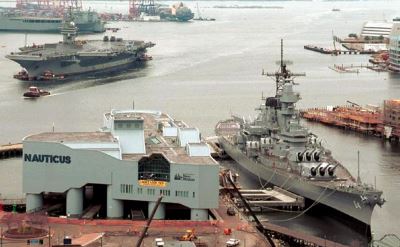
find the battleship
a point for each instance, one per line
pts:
(72, 57)
(14, 20)
(277, 149)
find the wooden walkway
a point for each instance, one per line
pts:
(336, 52)
(272, 198)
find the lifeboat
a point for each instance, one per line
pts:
(22, 75)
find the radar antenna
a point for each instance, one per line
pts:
(283, 74)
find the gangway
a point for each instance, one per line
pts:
(91, 212)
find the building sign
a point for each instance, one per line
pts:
(184, 177)
(152, 183)
(47, 158)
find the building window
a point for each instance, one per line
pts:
(140, 190)
(127, 188)
(179, 193)
(194, 195)
(155, 168)
(165, 192)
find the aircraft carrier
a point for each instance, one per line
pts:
(277, 149)
(71, 57)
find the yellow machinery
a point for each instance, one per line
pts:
(188, 236)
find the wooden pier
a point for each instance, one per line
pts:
(273, 198)
(10, 151)
(335, 51)
(356, 68)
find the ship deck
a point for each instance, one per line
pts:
(80, 47)
(343, 180)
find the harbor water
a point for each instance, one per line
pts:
(202, 72)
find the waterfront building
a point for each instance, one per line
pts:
(394, 48)
(376, 29)
(135, 158)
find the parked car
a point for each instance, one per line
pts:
(231, 211)
(232, 242)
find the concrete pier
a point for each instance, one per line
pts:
(74, 202)
(115, 208)
(160, 213)
(277, 197)
(34, 202)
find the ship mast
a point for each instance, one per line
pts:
(283, 73)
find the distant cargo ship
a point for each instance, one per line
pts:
(19, 21)
(71, 57)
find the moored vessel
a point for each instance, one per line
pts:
(15, 20)
(277, 149)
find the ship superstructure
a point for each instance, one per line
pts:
(279, 150)
(75, 57)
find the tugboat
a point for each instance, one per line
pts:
(35, 92)
(277, 149)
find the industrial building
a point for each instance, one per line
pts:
(394, 48)
(123, 168)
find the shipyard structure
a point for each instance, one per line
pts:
(125, 167)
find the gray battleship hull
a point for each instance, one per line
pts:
(345, 202)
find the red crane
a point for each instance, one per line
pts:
(50, 4)
(133, 9)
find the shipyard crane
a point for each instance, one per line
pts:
(136, 7)
(335, 51)
(49, 4)
(133, 9)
